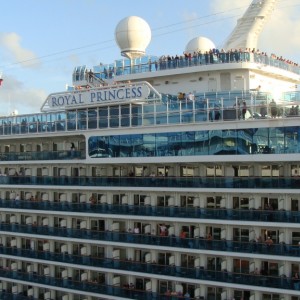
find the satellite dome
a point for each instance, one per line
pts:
(202, 44)
(133, 35)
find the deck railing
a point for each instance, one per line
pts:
(200, 273)
(196, 213)
(283, 183)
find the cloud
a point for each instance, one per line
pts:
(11, 42)
(281, 33)
(187, 17)
(74, 59)
(22, 99)
(229, 6)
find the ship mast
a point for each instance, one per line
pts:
(249, 27)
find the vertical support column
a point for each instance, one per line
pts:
(257, 202)
(3, 240)
(229, 203)
(229, 238)
(154, 113)
(287, 269)
(70, 273)
(52, 271)
(19, 243)
(177, 262)
(35, 292)
(53, 294)
(153, 256)
(154, 285)
(202, 200)
(70, 248)
(69, 225)
(51, 222)
(203, 291)
(229, 263)
(109, 252)
(109, 279)
(288, 202)
(203, 261)
(130, 253)
(230, 293)
(153, 204)
(257, 295)
(167, 111)
(108, 225)
(51, 244)
(202, 230)
(35, 268)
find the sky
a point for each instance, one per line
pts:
(41, 42)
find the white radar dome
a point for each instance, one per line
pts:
(133, 35)
(202, 44)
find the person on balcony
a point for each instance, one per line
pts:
(273, 109)
(296, 281)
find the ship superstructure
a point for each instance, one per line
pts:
(156, 178)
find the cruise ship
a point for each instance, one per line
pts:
(158, 177)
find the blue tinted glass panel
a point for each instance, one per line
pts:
(99, 147)
(162, 144)
(71, 120)
(125, 116)
(92, 118)
(161, 119)
(81, 119)
(149, 144)
(114, 116)
(174, 141)
(126, 146)
(114, 146)
(216, 142)
(103, 117)
(188, 143)
(136, 115)
(137, 143)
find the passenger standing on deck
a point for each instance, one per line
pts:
(296, 281)
(72, 149)
(91, 76)
(191, 96)
(149, 64)
(244, 110)
(163, 229)
(273, 108)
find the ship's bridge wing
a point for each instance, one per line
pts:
(82, 77)
(119, 93)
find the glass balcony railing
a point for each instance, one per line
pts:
(155, 64)
(281, 249)
(45, 155)
(169, 109)
(255, 215)
(283, 281)
(153, 182)
(73, 285)
(11, 296)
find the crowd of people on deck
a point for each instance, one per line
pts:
(201, 58)
(193, 59)
(217, 56)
